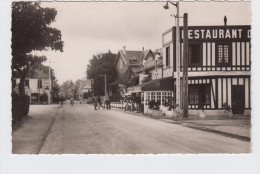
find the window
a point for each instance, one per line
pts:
(134, 60)
(199, 94)
(26, 83)
(223, 54)
(39, 84)
(194, 55)
(167, 56)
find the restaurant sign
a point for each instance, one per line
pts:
(234, 33)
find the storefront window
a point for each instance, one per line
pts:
(199, 94)
(161, 96)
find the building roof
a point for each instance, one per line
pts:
(133, 58)
(40, 71)
(145, 53)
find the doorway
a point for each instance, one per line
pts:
(238, 99)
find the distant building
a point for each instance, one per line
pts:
(86, 88)
(37, 83)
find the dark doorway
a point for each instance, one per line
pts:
(238, 99)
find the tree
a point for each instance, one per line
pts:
(99, 65)
(67, 88)
(31, 31)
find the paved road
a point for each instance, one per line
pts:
(79, 129)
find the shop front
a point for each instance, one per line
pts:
(157, 96)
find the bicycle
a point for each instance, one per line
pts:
(71, 102)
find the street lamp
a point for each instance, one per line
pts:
(178, 89)
(166, 6)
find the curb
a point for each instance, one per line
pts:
(54, 115)
(240, 137)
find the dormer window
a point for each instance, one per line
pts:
(134, 60)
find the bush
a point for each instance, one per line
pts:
(20, 106)
(154, 105)
(169, 102)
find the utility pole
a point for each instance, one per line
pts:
(185, 66)
(178, 58)
(38, 83)
(105, 86)
(49, 97)
(105, 77)
(178, 63)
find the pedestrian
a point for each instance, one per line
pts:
(108, 103)
(71, 101)
(126, 103)
(99, 102)
(61, 100)
(95, 103)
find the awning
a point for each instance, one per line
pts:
(158, 85)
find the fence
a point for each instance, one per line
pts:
(118, 105)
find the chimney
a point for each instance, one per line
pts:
(225, 21)
(124, 50)
(142, 53)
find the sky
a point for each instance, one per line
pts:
(90, 28)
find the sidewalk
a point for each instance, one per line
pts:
(236, 127)
(29, 134)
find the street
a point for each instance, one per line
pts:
(80, 129)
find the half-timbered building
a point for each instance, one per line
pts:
(219, 68)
